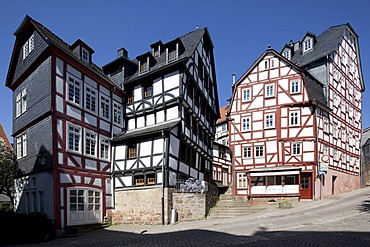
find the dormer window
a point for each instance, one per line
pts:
(307, 44)
(156, 51)
(84, 54)
(172, 53)
(144, 65)
(286, 54)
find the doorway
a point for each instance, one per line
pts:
(306, 190)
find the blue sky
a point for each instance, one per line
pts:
(240, 30)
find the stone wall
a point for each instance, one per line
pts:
(142, 206)
(190, 206)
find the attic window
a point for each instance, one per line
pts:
(286, 54)
(156, 51)
(28, 46)
(307, 45)
(84, 54)
(144, 66)
(172, 53)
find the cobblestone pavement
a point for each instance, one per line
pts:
(342, 220)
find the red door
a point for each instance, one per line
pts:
(306, 185)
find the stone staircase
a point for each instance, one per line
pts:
(228, 206)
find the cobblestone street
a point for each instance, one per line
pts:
(342, 220)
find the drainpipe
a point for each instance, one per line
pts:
(317, 157)
(163, 177)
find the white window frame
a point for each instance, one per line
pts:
(326, 124)
(19, 147)
(246, 124)
(92, 94)
(257, 151)
(90, 139)
(104, 102)
(74, 84)
(28, 46)
(24, 145)
(18, 105)
(296, 148)
(247, 152)
(117, 110)
(243, 178)
(269, 121)
(84, 53)
(246, 94)
(24, 100)
(270, 90)
(335, 154)
(104, 146)
(286, 54)
(295, 86)
(294, 118)
(307, 44)
(76, 133)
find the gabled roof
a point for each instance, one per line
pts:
(189, 42)
(326, 43)
(314, 87)
(223, 111)
(4, 136)
(53, 39)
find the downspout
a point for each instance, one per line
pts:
(317, 155)
(163, 176)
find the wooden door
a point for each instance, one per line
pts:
(306, 185)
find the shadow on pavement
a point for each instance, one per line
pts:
(262, 237)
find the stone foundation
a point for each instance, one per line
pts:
(144, 206)
(260, 201)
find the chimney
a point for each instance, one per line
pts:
(122, 52)
(233, 78)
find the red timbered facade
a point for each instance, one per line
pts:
(66, 110)
(296, 116)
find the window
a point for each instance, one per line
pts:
(117, 113)
(343, 106)
(224, 142)
(326, 124)
(21, 102)
(143, 66)
(336, 99)
(74, 89)
(269, 121)
(90, 99)
(294, 87)
(223, 127)
(335, 130)
(286, 54)
(132, 151)
(269, 91)
(294, 118)
(187, 118)
(85, 54)
(200, 68)
(171, 53)
(21, 146)
(335, 154)
(247, 152)
(130, 97)
(150, 179)
(156, 51)
(139, 180)
(344, 57)
(343, 158)
(90, 143)
(297, 148)
(74, 137)
(28, 46)
(104, 148)
(246, 94)
(343, 135)
(148, 90)
(104, 106)
(242, 180)
(259, 151)
(246, 124)
(351, 67)
(292, 179)
(266, 64)
(272, 63)
(307, 44)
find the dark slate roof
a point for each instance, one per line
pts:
(189, 42)
(315, 90)
(55, 40)
(146, 130)
(326, 43)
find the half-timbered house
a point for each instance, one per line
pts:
(66, 110)
(221, 163)
(296, 116)
(172, 107)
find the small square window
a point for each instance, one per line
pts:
(297, 148)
